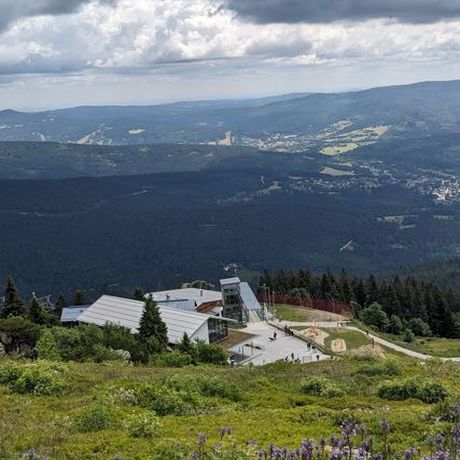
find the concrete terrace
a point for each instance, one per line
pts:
(272, 351)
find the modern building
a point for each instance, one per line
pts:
(239, 302)
(128, 313)
(191, 299)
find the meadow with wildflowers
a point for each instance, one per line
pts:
(349, 408)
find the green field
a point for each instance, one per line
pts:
(300, 314)
(91, 418)
(435, 346)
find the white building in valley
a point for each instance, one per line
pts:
(128, 313)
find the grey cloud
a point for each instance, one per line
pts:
(12, 10)
(325, 11)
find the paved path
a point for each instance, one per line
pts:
(379, 340)
(275, 350)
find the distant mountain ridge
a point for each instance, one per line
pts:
(405, 111)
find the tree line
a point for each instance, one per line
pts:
(403, 301)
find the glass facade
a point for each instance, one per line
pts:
(218, 330)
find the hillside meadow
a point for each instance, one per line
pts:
(107, 411)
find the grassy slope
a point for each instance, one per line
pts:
(271, 410)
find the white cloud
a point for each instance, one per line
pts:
(183, 38)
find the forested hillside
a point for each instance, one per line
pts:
(393, 305)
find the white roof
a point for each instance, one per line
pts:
(197, 295)
(127, 313)
(226, 281)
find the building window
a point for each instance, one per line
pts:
(218, 330)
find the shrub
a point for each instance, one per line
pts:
(163, 401)
(219, 388)
(428, 392)
(19, 334)
(142, 425)
(210, 353)
(375, 316)
(38, 379)
(320, 386)
(96, 418)
(174, 359)
(47, 347)
(408, 336)
(385, 368)
(419, 327)
(9, 372)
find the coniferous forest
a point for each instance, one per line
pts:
(397, 305)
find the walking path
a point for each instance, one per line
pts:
(379, 340)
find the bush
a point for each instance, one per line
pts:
(96, 418)
(419, 327)
(428, 392)
(385, 368)
(142, 425)
(47, 347)
(9, 373)
(219, 388)
(19, 334)
(320, 386)
(173, 359)
(38, 379)
(408, 336)
(166, 401)
(210, 353)
(375, 316)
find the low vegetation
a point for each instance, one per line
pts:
(104, 411)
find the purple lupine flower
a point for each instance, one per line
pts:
(117, 457)
(410, 453)
(361, 454)
(195, 456)
(262, 454)
(334, 441)
(456, 435)
(201, 440)
(307, 449)
(385, 426)
(336, 453)
(366, 446)
(348, 428)
(439, 440)
(217, 447)
(252, 443)
(441, 455)
(377, 457)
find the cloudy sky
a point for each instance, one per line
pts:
(73, 52)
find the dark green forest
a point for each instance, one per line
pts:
(391, 305)
(111, 234)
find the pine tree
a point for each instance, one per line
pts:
(36, 312)
(60, 304)
(79, 298)
(186, 345)
(12, 305)
(152, 329)
(138, 294)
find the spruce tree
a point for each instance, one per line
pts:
(60, 304)
(36, 312)
(79, 298)
(138, 294)
(12, 304)
(152, 330)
